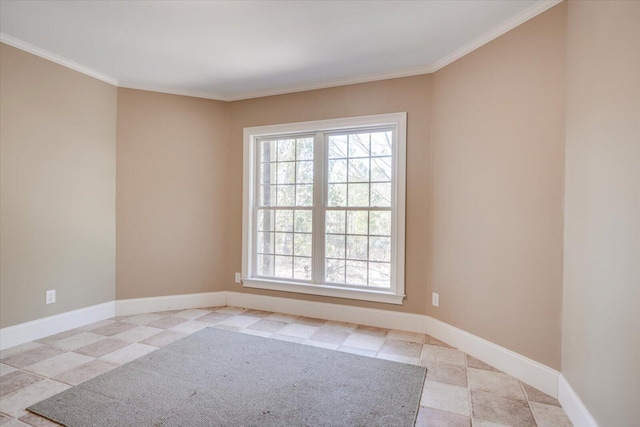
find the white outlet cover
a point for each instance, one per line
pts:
(50, 296)
(238, 277)
(435, 299)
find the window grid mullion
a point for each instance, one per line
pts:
(368, 244)
(369, 220)
(359, 208)
(346, 219)
(319, 191)
(346, 237)
(293, 217)
(347, 200)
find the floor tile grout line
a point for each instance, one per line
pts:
(466, 373)
(526, 395)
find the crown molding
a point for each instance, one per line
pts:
(517, 20)
(42, 53)
(169, 91)
(284, 90)
(330, 83)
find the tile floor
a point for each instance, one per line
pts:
(459, 390)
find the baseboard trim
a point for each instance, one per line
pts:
(40, 328)
(338, 312)
(521, 367)
(527, 370)
(531, 372)
(573, 405)
(132, 306)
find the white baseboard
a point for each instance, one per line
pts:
(573, 405)
(531, 372)
(343, 313)
(527, 370)
(171, 302)
(40, 328)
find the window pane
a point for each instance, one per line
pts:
(356, 273)
(304, 148)
(380, 223)
(286, 150)
(268, 173)
(380, 249)
(337, 146)
(381, 169)
(284, 267)
(337, 171)
(267, 195)
(380, 274)
(381, 143)
(284, 220)
(265, 243)
(265, 265)
(358, 194)
(302, 268)
(284, 243)
(359, 145)
(303, 221)
(268, 151)
(335, 271)
(304, 172)
(291, 164)
(337, 195)
(357, 247)
(302, 244)
(359, 170)
(286, 195)
(357, 222)
(334, 246)
(304, 195)
(381, 194)
(265, 220)
(335, 221)
(362, 245)
(286, 173)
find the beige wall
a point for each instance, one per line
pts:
(601, 313)
(492, 150)
(172, 194)
(484, 186)
(411, 94)
(486, 169)
(57, 188)
(498, 149)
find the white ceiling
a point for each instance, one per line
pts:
(242, 49)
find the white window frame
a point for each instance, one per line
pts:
(251, 135)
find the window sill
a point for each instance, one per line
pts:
(325, 290)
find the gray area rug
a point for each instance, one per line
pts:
(220, 378)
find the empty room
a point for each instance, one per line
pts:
(320, 213)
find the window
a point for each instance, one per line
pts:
(324, 206)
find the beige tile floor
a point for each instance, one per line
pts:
(459, 390)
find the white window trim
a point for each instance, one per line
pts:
(394, 296)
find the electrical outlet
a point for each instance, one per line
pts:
(50, 296)
(238, 277)
(435, 299)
